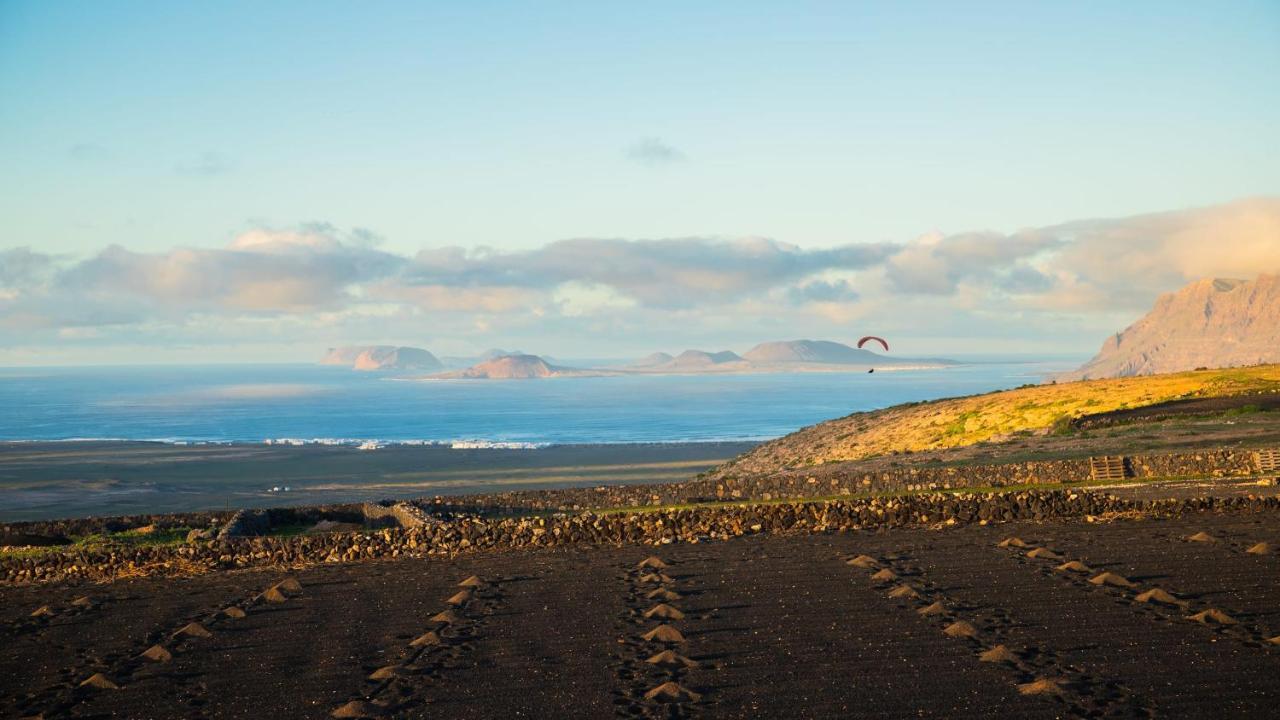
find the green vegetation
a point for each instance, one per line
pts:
(138, 537)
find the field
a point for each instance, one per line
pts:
(774, 627)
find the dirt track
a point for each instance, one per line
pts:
(777, 626)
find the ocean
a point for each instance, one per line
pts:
(307, 403)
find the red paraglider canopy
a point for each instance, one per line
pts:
(880, 340)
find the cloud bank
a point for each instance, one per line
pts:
(316, 280)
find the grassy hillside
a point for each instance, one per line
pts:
(958, 422)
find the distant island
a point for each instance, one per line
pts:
(374, 358)
(1211, 323)
(781, 356)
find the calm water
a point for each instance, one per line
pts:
(253, 403)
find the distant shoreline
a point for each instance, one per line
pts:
(43, 480)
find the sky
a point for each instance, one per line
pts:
(259, 181)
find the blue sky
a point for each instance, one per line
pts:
(421, 127)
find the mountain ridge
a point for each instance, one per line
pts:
(1211, 323)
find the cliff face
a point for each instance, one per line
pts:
(1209, 323)
(381, 358)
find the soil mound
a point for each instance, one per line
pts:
(1012, 542)
(195, 630)
(671, 659)
(1112, 579)
(1156, 595)
(289, 585)
(656, 578)
(100, 682)
(885, 575)
(662, 594)
(960, 629)
(472, 582)
(1202, 537)
(663, 611)
(1259, 549)
(664, 634)
(1043, 686)
(936, 608)
(653, 561)
(157, 653)
(1044, 554)
(447, 617)
(1074, 566)
(42, 611)
(274, 595)
(998, 654)
(234, 612)
(359, 709)
(865, 562)
(82, 602)
(904, 591)
(425, 639)
(672, 692)
(1212, 616)
(461, 597)
(383, 673)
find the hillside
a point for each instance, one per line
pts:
(1209, 323)
(515, 367)
(381, 358)
(958, 422)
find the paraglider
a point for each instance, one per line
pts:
(868, 338)
(880, 340)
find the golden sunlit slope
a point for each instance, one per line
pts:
(956, 422)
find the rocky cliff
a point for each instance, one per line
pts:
(1212, 323)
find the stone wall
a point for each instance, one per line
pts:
(468, 534)
(847, 479)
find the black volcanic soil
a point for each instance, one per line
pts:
(778, 627)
